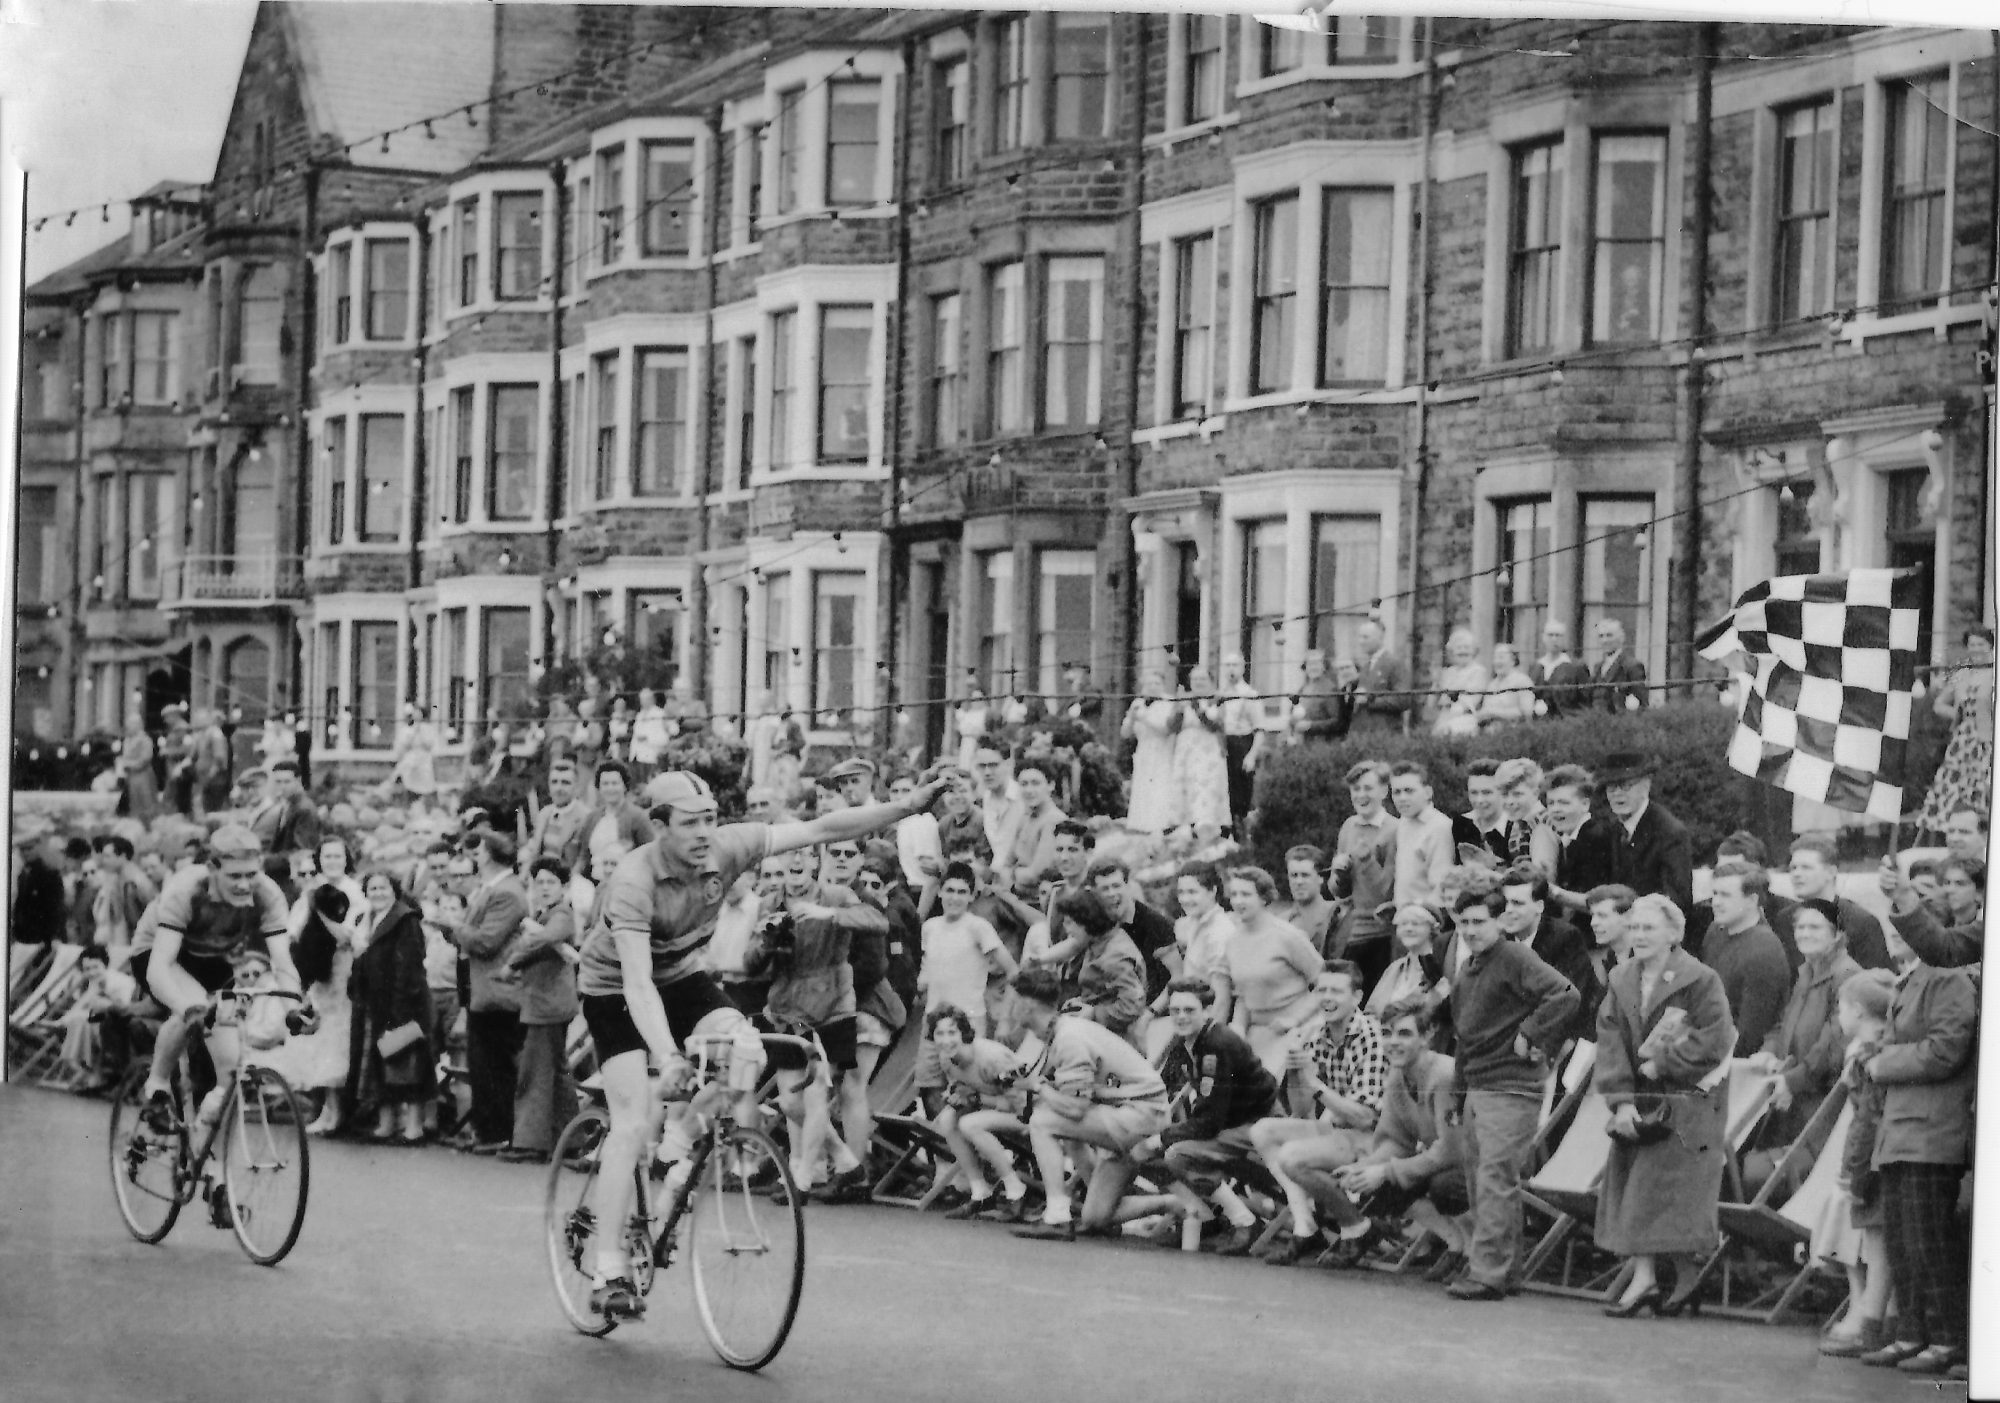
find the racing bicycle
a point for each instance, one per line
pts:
(253, 1124)
(745, 1225)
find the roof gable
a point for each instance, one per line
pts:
(365, 67)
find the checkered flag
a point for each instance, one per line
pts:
(1832, 661)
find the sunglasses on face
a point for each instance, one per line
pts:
(873, 883)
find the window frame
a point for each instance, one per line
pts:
(1269, 299)
(364, 534)
(1508, 606)
(1598, 290)
(340, 291)
(672, 431)
(1006, 349)
(1051, 656)
(514, 257)
(1545, 257)
(1902, 95)
(944, 419)
(995, 621)
(604, 414)
(951, 120)
(1093, 409)
(462, 412)
(1638, 632)
(1107, 76)
(833, 145)
(166, 364)
(678, 203)
(608, 233)
(1191, 75)
(1330, 290)
(849, 585)
(863, 378)
(782, 329)
(465, 238)
(1263, 628)
(383, 718)
(372, 291)
(527, 458)
(1009, 92)
(334, 438)
(1825, 175)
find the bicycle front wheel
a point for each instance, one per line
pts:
(747, 1247)
(145, 1165)
(569, 1223)
(265, 1170)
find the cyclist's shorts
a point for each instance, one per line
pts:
(687, 1002)
(213, 972)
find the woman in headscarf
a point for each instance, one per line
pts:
(395, 1069)
(1806, 1047)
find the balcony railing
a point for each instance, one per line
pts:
(232, 579)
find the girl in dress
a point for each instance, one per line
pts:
(324, 949)
(1965, 776)
(1200, 763)
(1150, 722)
(1849, 1231)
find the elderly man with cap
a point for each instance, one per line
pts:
(853, 779)
(646, 989)
(1650, 849)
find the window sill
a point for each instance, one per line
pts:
(1194, 131)
(663, 263)
(613, 504)
(831, 214)
(774, 477)
(1333, 395)
(408, 343)
(536, 306)
(736, 251)
(1936, 319)
(1325, 72)
(485, 528)
(1206, 427)
(325, 551)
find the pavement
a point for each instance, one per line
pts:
(419, 1278)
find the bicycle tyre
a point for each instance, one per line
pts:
(266, 1124)
(568, 1229)
(733, 1226)
(148, 1209)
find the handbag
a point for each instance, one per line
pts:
(1655, 1123)
(399, 1039)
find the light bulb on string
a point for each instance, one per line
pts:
(1786, 495)
(1503, 577)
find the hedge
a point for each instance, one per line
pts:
(1301, 795)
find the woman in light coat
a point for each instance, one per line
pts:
(1150, 723)
(1200, 764)
(1664, 1036)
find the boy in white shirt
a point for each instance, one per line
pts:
(960, 952)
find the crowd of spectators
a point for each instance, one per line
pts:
(1348, 1059)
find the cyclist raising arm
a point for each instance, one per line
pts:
(646, 988)
(204, 921)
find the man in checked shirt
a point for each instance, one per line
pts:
(1347, 1070)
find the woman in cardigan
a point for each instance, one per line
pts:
(1664, 1037)
(1806, 1046)
(1926, 1068)
(392, 1011)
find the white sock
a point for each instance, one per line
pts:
(1013, 1188)
(1058, 1210)
(1233, 1208)
(844, 1159)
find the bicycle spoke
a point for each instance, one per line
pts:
(265, 1166)
(146, 1170)
(747, 1250)
(569, 1223)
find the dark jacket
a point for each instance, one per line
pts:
(1865, 944)
(1467, 834)
(389, 991)
(1224, 1083)
(1110, 981)
(1563, 688)
(1326, 709)
(633, 826)
(40, 913)
(1927, 1068)
(1939, 945)
(291, 827)
(1808, 1039)
(1755, 977)
(1381, 697)
(1620, 680)
(1566, 950)
(1655, 857)
(1152, 933)
(1590, 859)
(1500, 994)
(905, 943)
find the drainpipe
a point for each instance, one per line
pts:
(898, 616)
(302, 445)
(1986, 605)
(77, 586)
(1685, 598)
(1125, 670)
(1420, 469)
(420, 503)
(558, 419)
(700, 657)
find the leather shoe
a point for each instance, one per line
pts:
(1007, 1210)
(1894, 1353)
(1935, 1360)
(971, 1208)
(1291, 1251)
(1048, 1232)
(521, 1154)
(1466, 1289)
(486, 1147)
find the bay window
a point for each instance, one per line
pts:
(335, 434)
(652, 624)
(1274, 278)
(1066, 587)
(386, 294)
(466, 236)
(1521, 590)
(661, 423)
(604, 422)
(374, 684)
(1534, 248)
(510, 452)
(1263, 636)
(1356, 238)
(1073, 353)
(517, 246)
(1006, 402)
(610, 184)
(845, 356)
(380, 508)
(668, 225)
(1080, 62)
(784, 386)
(1615, 578)
(1628, 249)
(838, 600)
(155, 358)
(852, 142)
(946, 372)
(503, 663)
(1194, 325)
(461, 456)
(340, 289)
(1346, 575)
(146, 497)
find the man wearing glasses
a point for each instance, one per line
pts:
(1000, 803)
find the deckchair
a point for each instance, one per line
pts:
(1565, 1188)
(1782, 1230)
(910, 1143)
(34, 1038)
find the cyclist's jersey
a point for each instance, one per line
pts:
(209, 926)
(672, 904)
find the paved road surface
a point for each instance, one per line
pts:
(418, 1279)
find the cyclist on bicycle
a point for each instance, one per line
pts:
(203, 922)
(646, 989)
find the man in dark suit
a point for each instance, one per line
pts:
(289, 822)
(1650, 850)
(1531, 920)
(1620, 677)
(493, 916)
(1561, 682)
(1382, 700)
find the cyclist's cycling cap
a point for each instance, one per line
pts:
(233, 840)
(679, 789)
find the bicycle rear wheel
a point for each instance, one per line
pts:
(146, 1173)
(265, 1168)
(748, 1251)
(568, 1222)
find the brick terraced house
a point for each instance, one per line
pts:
(844, 358)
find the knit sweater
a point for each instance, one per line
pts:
(1500, 994)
